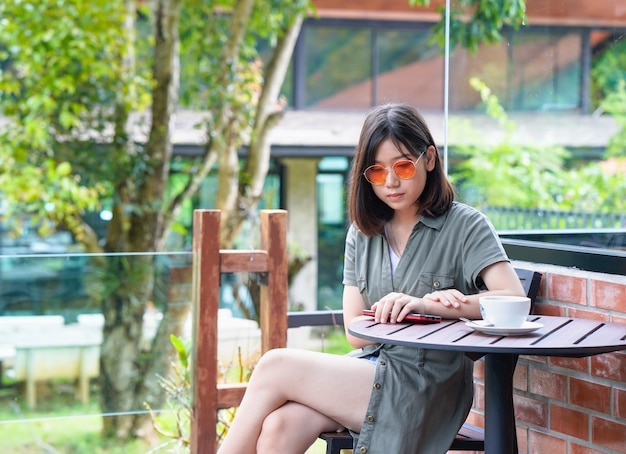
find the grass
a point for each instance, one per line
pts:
(58, 425)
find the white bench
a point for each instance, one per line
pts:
(42, 347)
(14, 327)
(68, 359)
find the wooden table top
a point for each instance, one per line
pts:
(559, 336)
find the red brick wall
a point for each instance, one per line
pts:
(539, 12)
(570, 405)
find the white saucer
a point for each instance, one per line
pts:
(484, 327)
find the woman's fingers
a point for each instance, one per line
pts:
(393, 307)
(448, 298)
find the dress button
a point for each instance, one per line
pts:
(370, 418)
(436, 284)
(382, 362)
(362, 449)
(376, 385)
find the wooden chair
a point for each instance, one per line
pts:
(469, 437)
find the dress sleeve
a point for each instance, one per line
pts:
(482, 246)
(349, 264)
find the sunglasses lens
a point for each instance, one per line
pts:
(376, 174)
(404, 169)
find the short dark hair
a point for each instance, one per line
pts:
(403, 125)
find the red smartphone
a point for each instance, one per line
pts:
(413, 318)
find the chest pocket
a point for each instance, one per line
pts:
(433, 282)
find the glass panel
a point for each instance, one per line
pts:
(338, 68)
(51, 330)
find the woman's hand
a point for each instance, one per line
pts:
(394, 307)
(448, 298)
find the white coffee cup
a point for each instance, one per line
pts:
(504, 311)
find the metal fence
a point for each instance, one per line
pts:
(511, 218)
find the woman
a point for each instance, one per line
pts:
(410, 248)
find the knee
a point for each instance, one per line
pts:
(271, 362)
(273, 432)
(269, 370)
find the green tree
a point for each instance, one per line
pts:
(473, 22)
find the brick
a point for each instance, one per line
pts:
(608, 433)
(549, 309)
(587, 394)
(479, 396)
(579, 364)
(548, 384)
(530, 411)
(531, 359)
(609, 365)
(571, 289)
(569, 422)
(479, 370)
(522, 438)
(607, 295)
(476, 418)
(619, 397)
(520, 377)
(580, 449)
(618, 319)
(588, 314)
(541, 443)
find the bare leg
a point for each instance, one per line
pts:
(292, 429)
(336, 387)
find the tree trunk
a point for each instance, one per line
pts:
(269, 113)
(128, 375)
(120, 368)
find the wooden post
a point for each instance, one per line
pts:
(208, 264)
(273, 306)
(206, 284)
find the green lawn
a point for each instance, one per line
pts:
(72, 429)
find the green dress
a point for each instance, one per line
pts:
(420, 397)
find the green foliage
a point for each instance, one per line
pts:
(595, 187)
(205, 31)
(509, 174)
(615, 104)
(175, 425)
(608, 71)
(473, 22)
(204, 35)
(59, 81)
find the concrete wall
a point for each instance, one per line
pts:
(301, 203)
